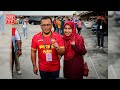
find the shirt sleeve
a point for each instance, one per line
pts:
(17, 35)
(33, 44)
(79, 45)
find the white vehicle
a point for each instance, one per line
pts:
(88, 24)
(117, 17)
(110, 13)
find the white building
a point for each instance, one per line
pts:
(43, 13)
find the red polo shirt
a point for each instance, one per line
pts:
(39, 44)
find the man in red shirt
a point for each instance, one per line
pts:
(49, 45)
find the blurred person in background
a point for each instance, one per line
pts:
(16, 50)
(58, 25)
(79, 26)
(18, 21)
(101, 21)
(75, 21)
(62, 26)
(25, 22)
(1, 21)
(54, 24)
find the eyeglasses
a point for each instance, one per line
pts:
(44, 25)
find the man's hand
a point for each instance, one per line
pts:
(55, 44)
(33, 59)
(35, 70)
(19, 53)
(60, 51)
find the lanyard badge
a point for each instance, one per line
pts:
(50, 41)
(48, 55)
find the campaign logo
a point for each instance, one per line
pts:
(10, 19)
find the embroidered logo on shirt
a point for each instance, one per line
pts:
(40, 40)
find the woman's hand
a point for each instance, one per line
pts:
(72, 43)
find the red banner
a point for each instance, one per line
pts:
(10, 19)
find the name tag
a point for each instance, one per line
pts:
(48, 56)
(100, 26)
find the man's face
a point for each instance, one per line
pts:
(46, 26)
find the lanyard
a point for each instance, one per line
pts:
(45, 41)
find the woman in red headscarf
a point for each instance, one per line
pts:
(75, 49)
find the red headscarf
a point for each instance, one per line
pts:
(69, 53)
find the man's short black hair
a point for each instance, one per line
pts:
(45, 17)
(68, 19)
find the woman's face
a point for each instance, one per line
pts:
(67, 30)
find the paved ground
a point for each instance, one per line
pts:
(114, 50)
(97, 59)
(5, 71)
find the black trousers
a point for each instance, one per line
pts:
(100, 38)
(15, 60)
(79, 30)
(49, 75)
(62, 31)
